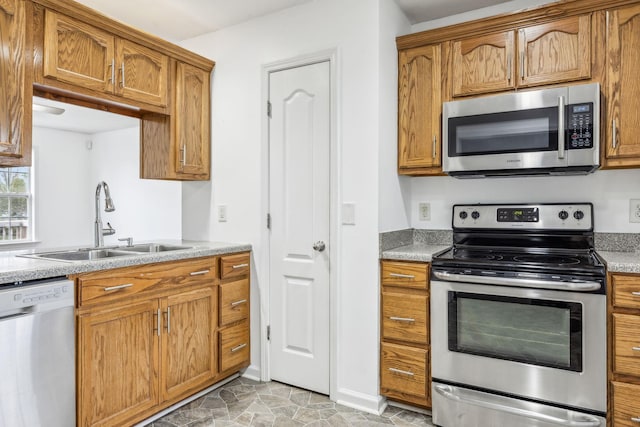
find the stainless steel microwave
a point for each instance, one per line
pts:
(540, 132)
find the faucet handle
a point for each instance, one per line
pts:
(109, 231)
(129, 240)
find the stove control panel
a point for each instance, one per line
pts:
(552, 216)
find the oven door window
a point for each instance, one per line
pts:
(537, 332)
(511, 132)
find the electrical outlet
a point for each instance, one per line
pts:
(424, 211)
(222, 213)
(634, 210)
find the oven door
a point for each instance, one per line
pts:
(539, 344)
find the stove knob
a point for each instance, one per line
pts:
(475, 214)
(463, 215)
(578, 215)
(563, 215)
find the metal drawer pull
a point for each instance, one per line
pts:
(199, 273)
(242, 301)
(240, 266)
(404, 276)
(115, 288)
(402, 319)
(157, 329)
(400, 371)
(238, 347)
(614, 140)
(635, 348)
(635, 294)
(635, 419)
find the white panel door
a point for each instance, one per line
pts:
(299, 165)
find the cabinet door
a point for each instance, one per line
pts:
(483, 64)
(555, 52)
(142, 73)
(192, 121)
(117, 364)
(623, 90)
(77, 53)
(419, 107)
(15, 85)
(188, 341)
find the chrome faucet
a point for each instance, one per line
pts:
(99, 232)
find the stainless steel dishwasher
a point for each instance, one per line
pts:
(37, 354)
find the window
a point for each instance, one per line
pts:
(16, 199)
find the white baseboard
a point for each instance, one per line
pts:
(252, 373)
(360, 401)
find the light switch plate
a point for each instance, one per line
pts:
(348, 214)
(634, 210)
(424, 211)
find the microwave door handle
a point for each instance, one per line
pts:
(561, 127)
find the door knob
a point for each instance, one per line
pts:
(319, 246)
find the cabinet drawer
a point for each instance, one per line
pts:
(626, 407)
(234, 265)
(234, 346)
(110, 285)
(626, 347)
(405, 317)
(404, 369)
(406, 274)
(234, 301)
(626, 291)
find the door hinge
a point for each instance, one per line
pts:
(269, 333)
(269, 221)
(269, 109)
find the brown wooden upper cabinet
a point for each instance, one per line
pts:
(546, 54)
(15, 84)
(419, 106)
(622, 146)
(86, 56)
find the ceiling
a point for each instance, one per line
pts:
(177, 20)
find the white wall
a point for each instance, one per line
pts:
(239, 162)
(146, 209)
(67, 173)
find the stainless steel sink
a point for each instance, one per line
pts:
(152, 247)
(79, 254)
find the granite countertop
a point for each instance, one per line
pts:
(415, 252)
(621, 262)
(14, 268)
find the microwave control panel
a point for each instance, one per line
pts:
(579, 131)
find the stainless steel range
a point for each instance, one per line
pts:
(518, 319)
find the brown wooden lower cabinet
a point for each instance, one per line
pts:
(626, 404)
(154, 336)
(405, 373)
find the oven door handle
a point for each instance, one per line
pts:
(578, 285)
(484, 402)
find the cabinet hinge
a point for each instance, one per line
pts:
(269, 221)
(269, 333)
(269, 109)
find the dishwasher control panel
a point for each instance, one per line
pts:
(25, 294)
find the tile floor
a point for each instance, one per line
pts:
(244, 402)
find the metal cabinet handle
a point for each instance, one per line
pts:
(403, 276)
(635, 419)
(115, 288)
(561, 127)
(157, 328)
(614, 140)
(112, 70)
(183, 157)
(400, 371)
(402, 319)
(199, 273)
(435, 142)
(522, 70)
(509, 68)
(635, 348)
(635, 294)
(238, 347)
(236, 303)
(122, 83)
(240, 266)
(168, 313)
